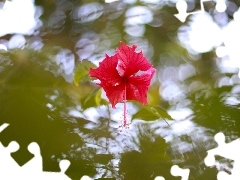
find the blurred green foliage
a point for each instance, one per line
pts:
(41, 102)
(81, 72)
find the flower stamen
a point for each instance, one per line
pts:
(125, 106)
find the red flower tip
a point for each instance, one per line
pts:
(119, 75)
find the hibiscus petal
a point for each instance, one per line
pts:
(115, 94)
(107, 72)
(130, 61)
(133, 94)
(118, 73)
(138, 85)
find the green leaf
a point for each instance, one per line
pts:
(162, 113)
(98, 98)
(94, 99)
(95, 93)
(151, 113)
(81, 73)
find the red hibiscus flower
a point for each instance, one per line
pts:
(124, 76)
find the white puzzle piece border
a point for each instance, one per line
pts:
(227, 150)
(33, 169)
